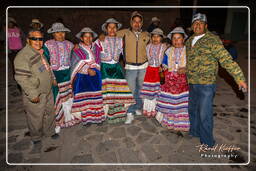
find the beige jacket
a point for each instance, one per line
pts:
(134, 47)
(31, 74)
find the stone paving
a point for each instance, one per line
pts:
(144, 141)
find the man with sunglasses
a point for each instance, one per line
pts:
(34, 75)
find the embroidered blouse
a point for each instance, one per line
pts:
(155, 54)
(111, 49)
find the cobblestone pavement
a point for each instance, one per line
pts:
(144, 141)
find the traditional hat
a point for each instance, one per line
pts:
(58, 27)
(111, 20)
(158, 31)
(10, 19)
(177, 30)
(199, 16)
(155, 19)
(86, 30)
(35, 20)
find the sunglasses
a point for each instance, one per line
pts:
(36, 38)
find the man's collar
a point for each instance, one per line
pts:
(135, 31)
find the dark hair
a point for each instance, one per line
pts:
(34, 30)
(183, 35)
(137, 16)
(82, 35)
(111, 23)
(158, 35)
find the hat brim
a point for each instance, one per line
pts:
(51, 30)
(170, 35)
(78, 35)
(152, 33)
(199, 20)
(103, 27)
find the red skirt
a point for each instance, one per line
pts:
(174, 83)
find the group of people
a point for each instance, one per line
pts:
(65, 84)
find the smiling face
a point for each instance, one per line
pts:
(156, 39)
(199, 27)
(59, 36)
(36, 44)
(136, 23)
(111, 29)
(177, 40)
(87, 38)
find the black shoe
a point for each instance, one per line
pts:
(36, 142)
(179, 134)
(88, 125)
(55, 136)
(100, 124)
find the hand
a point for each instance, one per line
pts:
(54, 82)
(91, 72)
(162, 68)
(41, 51)
(182, 70)
(35, 100)
(243, 86)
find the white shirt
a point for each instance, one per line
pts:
(196, 38)
(134, 67)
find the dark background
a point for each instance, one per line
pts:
(76, 19)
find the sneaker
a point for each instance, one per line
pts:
(55, 136)
(129, 118)
(138, 112)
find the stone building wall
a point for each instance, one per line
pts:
(77, 18)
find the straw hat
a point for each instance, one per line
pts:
(158, 31)
(35, 20)
(155, 19)
(10, 19)
(177, 30)
(86, 30)
(111, 20)
(58, 27)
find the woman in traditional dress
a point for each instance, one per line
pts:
(151, 85)
(173, 99)
(86, 80)
(58, 53)
(116, 93)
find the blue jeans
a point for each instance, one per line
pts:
(200, 109)
(135, 80)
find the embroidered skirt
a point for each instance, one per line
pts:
(150, 90)
(88, 101)
(173, 102)
(62, 99)
(116, 93)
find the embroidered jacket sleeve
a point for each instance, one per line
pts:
(77, 65)
(47, 56)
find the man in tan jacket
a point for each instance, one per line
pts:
(34, 75)
(135, 42)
